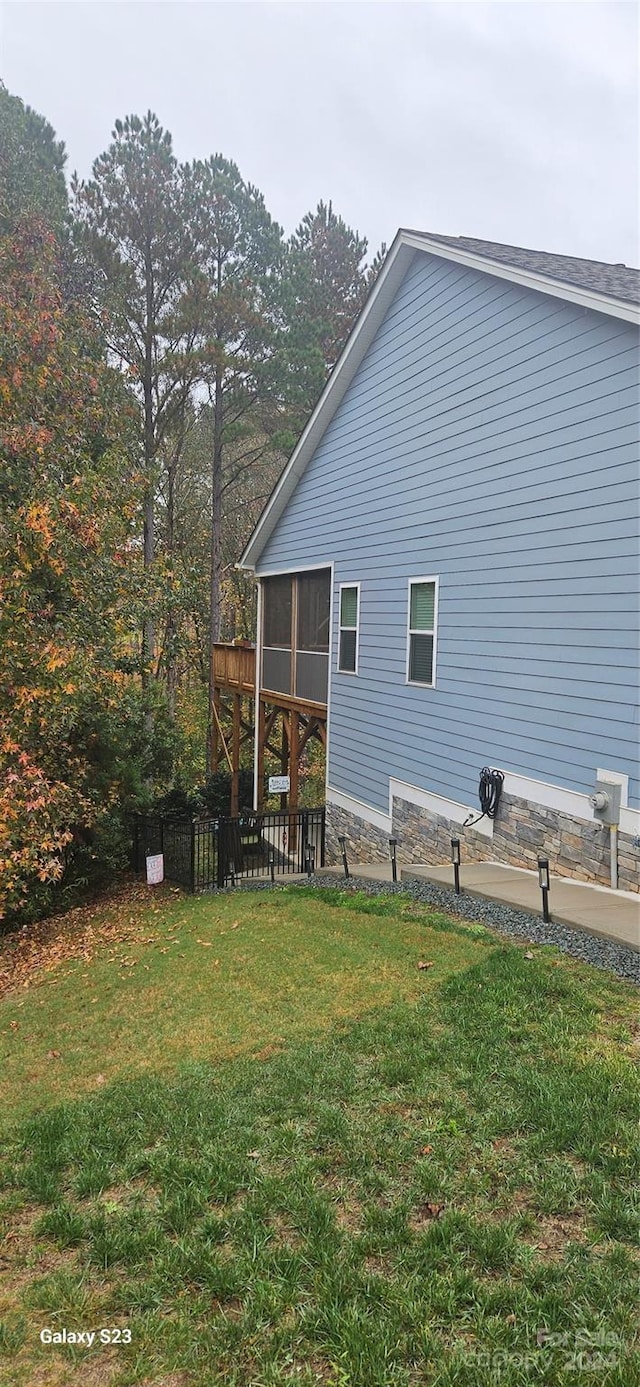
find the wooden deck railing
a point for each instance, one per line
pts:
(234, 667)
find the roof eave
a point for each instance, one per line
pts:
(530, 279)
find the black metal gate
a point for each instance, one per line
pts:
(205, 854)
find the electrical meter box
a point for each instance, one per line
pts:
(610, 812)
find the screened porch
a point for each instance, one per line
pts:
(295, 635)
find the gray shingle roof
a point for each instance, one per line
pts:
(617, 281)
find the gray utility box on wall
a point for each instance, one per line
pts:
(605, 801)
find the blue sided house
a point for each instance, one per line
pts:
(448, 568)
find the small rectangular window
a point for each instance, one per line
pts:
(349, 615)
(422, 631)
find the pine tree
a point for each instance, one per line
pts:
(135, 220)
(32, 164)
(326, 283)
(240, 253)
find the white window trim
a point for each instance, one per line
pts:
(341, 628)
(416, 683)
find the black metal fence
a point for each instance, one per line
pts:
(205, 854)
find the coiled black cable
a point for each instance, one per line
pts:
(489, 790)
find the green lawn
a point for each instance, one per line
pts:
(287, 1155)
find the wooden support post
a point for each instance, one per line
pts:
(309, 731)
(294, 722)
(262, 722)
(284, 760)
(235, 754)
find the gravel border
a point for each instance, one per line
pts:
(504, 919)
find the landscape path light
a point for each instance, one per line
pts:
(343, 848)
(455, 858)
(393, 843)
(543, 878)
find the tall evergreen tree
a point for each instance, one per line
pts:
(325, 285)
(135, 221)
(240, 252)
(32, 164)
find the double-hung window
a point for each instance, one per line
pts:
(423, 616)
(349, 618)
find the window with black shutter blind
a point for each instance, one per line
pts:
(422, 631)
(349, 613)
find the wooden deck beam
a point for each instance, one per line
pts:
(300, 721)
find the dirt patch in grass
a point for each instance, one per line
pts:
(552, 1234)
(53, 1371)
(132, 1192)
(173, 1380)
(231, 1309)
(377, 1266)
(22, 1259)
(233, 1205)
(346, 1207)
(425, 1216)
(504, 1147)
(285, 1231)
(267, 1052)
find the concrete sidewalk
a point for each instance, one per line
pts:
(610, 914)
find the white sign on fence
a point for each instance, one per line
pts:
(155, 869)
(279, 784)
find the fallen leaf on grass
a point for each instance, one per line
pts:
(15, 1025)
(100, 1079)
(431, 1210)
(426, 1150)
(528, 953)
(53, 1054)
(422, 965)
(40, 947)
(206, 943)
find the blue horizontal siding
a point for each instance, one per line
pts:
(490, 437)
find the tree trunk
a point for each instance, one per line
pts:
(171, 631)
(216, 548)
(148, 632)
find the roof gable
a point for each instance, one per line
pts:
(535, 270)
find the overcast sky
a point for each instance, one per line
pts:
(515, 121)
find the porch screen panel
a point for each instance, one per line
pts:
(276, 612)
(312, 675)
(277, 608)
(276, 670)
(312, 643)
(313, 612)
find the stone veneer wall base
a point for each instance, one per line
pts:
(522, 832)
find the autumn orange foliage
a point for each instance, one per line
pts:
(67, 565)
